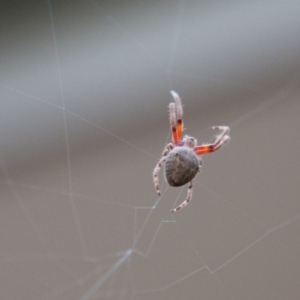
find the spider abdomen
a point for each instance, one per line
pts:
(181, 166)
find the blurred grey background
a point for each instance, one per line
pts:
(84, 90)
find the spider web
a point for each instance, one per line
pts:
(84, 92)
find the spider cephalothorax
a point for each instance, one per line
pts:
(182, 157)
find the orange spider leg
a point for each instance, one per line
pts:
(220, 141)
(179, 113)
(173, 122)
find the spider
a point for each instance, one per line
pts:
(182, 157)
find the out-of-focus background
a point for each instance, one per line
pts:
(84, 90)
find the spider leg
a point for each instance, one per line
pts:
(169, 147)
(173, 123)
(156, 172)
(200, 163)
(219, 142)
(179, 113)
(188, 198)
(190, 191)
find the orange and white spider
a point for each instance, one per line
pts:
(182, 157)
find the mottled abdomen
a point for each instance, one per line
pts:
(181, 166)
